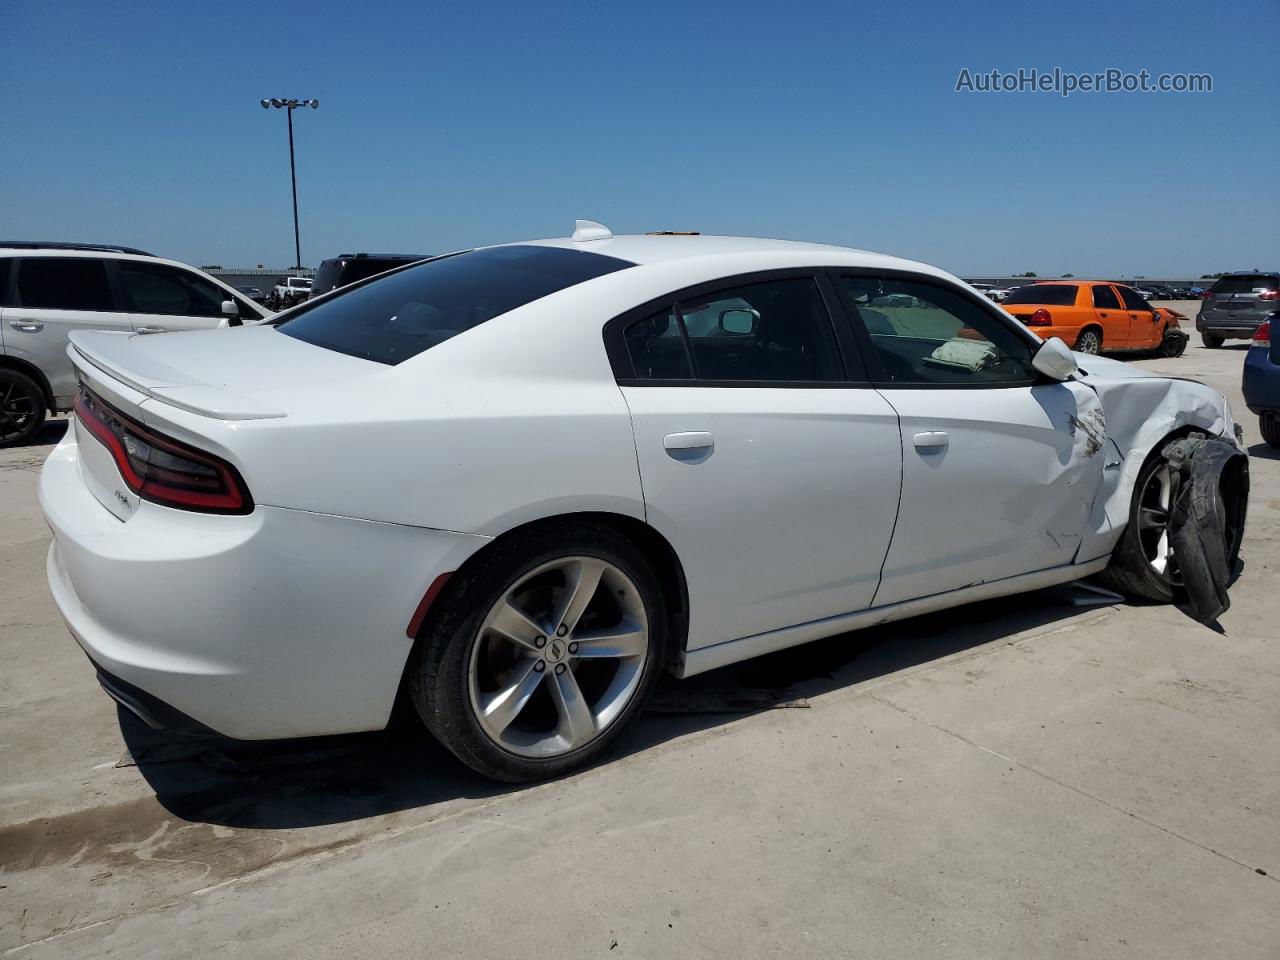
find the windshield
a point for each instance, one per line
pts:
(1043, 294)
(398, 316)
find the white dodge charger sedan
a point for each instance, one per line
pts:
(520, 481)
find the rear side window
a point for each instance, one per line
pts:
(778, 330)
(1044, 294)
(399, 316)
(63, 283)
(160, 289)
(1104, 297)
(5, 270)
(1132, 300)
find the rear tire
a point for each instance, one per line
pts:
(472, 664)
(1089, 341)
(1269, 424)
(1212, 341)
(23, 407)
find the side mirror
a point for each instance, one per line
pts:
(230, 308)
(1055, 360)
(740, 322)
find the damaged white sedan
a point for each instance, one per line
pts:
(518, 482)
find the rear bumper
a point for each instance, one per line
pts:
(1227, 325)
(281, 623)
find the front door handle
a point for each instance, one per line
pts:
(931, 440)
(27, 326)
(152, 330)
(692, 446)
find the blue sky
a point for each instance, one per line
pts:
(447, 125)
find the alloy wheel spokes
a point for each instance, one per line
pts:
(558, 656)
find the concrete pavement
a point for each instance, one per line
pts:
(1039, 776)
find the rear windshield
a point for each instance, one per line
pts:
(1044, 294)
(1254, 284)
(399, 316)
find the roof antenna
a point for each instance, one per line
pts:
(584, 230)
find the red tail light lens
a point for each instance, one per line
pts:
(1263, 334)
(1269, 295)
(1041, 318)
(162, 470)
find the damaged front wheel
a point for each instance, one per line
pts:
(1186, 522)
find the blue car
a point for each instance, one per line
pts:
(1262, 379)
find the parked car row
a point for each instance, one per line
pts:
(552, 470)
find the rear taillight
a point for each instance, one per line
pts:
(1208, 294)
(162, 470)
(1041, 318)
(1269, 295)
(1262, 335)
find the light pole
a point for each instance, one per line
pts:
(293, 176)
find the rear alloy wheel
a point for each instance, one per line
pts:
(1212, 341)
(543, 655)
(22, 407)
(1269, 424)
(1090, 341)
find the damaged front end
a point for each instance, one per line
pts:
(1206, 522)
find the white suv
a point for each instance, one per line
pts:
(48, 290)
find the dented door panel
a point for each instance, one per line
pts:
(1009, 493)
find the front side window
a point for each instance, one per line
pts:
(63, 283)
(396, 317)
(159, 289)
(1104, 298)
(927, 334)
(1132, 301)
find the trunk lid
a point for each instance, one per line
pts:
(240, 373)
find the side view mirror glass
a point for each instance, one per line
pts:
(1055, 360)
(739, 322)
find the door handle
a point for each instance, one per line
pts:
(1102, 314)
(931, 440)
(27, 326)
(151, 330)
(692, 446)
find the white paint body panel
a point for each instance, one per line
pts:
(788, 518)
(370, 481)
(1009, 493)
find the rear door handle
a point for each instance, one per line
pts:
(1102, 314)
(27, 326)
(931, 440)
(152, 330)
(692, 445)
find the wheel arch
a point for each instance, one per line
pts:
(656, 548)
(1096, 327)
(9, 362)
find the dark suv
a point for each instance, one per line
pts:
(347, 268)
(1235, 305)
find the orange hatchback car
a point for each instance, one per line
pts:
(1093, 315)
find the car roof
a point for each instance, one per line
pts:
(54, 245)
(646, 249)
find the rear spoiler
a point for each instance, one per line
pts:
(115, 355)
